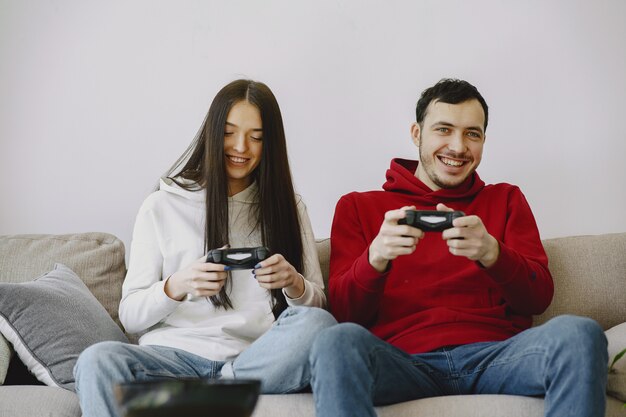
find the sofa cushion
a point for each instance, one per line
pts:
(5, 358)
(97, 258)
(616, 384)
(51, 320)
(588, 272)
(28, 400)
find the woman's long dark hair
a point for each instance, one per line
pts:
(276, 212)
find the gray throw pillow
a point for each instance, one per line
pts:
(51, 320)
(5, 358)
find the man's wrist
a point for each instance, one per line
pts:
(492, 255)
(377, 262)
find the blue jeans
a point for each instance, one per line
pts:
(564, 360)
(279, 358)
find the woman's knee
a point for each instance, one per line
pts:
(99, 356)
(312, 318)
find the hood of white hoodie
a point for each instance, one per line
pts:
(199, 194)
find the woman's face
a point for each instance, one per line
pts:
(243, 145)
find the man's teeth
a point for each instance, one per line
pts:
(237, 159)
(451, 162)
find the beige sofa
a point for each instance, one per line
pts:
(590, 280)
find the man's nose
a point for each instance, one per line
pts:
(457, 143)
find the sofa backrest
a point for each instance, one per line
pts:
(589, 272)
(97, 258)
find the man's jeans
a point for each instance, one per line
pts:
(279, 358)
(564, 360)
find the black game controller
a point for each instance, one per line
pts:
(430, 220)
(240, 258)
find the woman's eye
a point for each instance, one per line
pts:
(256, 138)
(228, 133)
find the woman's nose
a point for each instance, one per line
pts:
(240, 144)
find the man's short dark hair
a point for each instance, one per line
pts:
(450, 91)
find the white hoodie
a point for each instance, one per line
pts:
(169, 236)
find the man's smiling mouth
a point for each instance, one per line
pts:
(452, 162)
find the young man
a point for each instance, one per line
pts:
(444, 313)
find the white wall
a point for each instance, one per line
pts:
(97, 98)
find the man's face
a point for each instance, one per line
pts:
(450, 143)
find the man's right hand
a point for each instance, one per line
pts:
(393, 239)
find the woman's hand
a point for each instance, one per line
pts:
(275, 272)
(200, 279)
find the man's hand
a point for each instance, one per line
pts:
(470, 238)
(393, 239)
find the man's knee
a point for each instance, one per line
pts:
(340, 338)
(580, 335)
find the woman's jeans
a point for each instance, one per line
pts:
(279, 358)
(564, 360)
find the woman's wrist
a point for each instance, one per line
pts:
(296, 290)
(170, 289)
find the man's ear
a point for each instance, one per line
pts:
(415, 133)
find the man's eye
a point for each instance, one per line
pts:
(443, 130)
(474, 135)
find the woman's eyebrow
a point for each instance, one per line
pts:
(234, 125)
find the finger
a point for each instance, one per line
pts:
(199, 287)
(274, 281)
(268, 270)
(400, 241)
(401, 251)
(266, 279)
(272, 260)
(406, 230)
(455, 233)
(443, 207)
(210, 276)
(393, 216)
(467, 221)
(211, 267)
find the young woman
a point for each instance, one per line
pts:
(198, 319)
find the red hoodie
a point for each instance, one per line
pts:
(432, 298)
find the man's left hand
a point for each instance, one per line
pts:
(470, 238)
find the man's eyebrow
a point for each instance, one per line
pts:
(234, 125)
(442, 123)
(476, 128)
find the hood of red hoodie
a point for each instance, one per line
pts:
(401, 179)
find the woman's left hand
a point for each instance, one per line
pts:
(275, 272)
